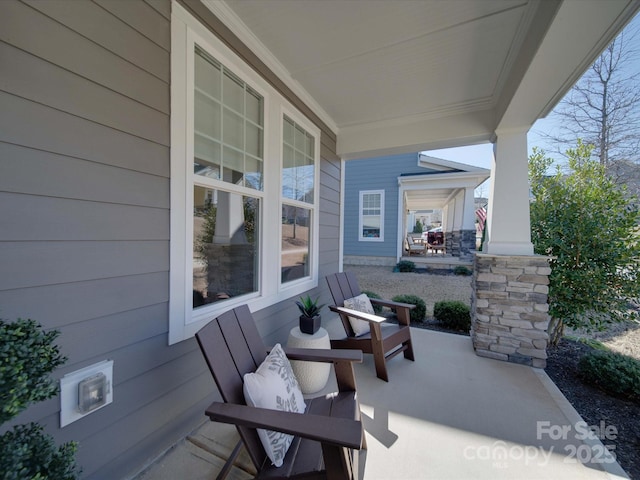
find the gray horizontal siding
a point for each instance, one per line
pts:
(96, 22)
(36, 33)
(70, 303)
(22, 170)
(38, 218)
(33, 264)
(50, 85)
(34, 125)
(84, 189)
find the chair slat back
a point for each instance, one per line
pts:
(343, 285)
(232, 347)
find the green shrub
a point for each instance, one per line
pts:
(376, 308)
(462, 270)
(453, 314)
(612, 372)
(406, 266)
(27, 358)
(418, 313)
(26, 452)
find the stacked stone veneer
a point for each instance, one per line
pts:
(460, 243)
(509, 309)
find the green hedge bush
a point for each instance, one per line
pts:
(28, 356)
(462, 270)
(612, 372)
(453, 314)
(418, 313)
(26, 452)
(376, 308)
(406, 266)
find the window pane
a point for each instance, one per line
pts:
(253, 177)
(371, 226)
(253, 140)
(207, 115)
(296, 226)
(207, 74)
(287, 133)
(225, 253)
(208, 156)
(233, 162)
(233, 92)
(228, 123)
(253, 106)
(233, 131)
(298, 166)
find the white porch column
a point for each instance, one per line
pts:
(508, 226)
(458, 211)
(229, 219)
(469, 215)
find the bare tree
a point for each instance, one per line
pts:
(603, 108)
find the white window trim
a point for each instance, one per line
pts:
(184, 322)
(360, 219)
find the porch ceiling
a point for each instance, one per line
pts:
(407, 75)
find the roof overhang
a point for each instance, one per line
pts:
(405, 76)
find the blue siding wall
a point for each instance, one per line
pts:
(379, 173)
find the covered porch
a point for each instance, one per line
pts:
(448, 415)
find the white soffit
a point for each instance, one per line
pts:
(375, 61)
(391, 76)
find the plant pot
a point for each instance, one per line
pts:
(309, 325)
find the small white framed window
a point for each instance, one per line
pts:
(371, 216)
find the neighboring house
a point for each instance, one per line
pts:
(162, 161)
(384, 197)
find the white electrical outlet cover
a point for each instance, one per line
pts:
(69, 410)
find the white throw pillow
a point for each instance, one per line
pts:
(274, 386)
(361, 303)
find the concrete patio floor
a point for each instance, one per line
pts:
(448, 415)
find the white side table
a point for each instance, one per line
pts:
(312, 376)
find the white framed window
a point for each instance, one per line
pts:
(371, 216)
(299, 199)
(233, 151)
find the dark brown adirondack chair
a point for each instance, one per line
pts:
(329, 433)
(384, 341)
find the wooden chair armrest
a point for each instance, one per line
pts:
(356, 314)
(334, 431)
(342, 360)
(391, 303)
(323, 355)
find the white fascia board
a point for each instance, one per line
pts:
(227, 16)
(443, 180)
(435, 163)
(415, 134)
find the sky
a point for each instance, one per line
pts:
(482, 155)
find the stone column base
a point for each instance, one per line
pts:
(509, 309)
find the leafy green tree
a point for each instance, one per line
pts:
(590, 227)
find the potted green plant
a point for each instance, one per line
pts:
(310, 318)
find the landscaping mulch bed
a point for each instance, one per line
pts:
(595, 406)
